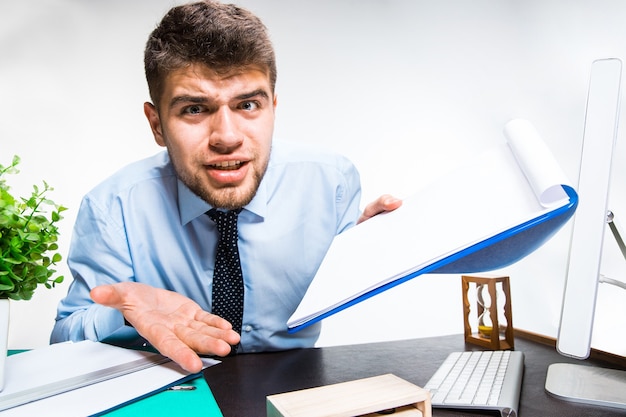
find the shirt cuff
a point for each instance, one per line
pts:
(106, 320)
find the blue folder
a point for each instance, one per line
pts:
(495, 252)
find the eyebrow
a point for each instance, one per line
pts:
(187, 99)
(259, 92)
(203, 100)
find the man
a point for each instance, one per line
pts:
(143, 253)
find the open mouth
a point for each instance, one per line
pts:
(227, 165)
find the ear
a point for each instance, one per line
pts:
(155, 122)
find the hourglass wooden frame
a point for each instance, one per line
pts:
(495, 341)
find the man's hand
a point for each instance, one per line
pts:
(175, 325)
(382, 204)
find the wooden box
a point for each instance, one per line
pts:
(373, 396)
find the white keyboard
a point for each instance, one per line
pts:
(489, 380)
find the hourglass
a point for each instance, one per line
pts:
(494, 322)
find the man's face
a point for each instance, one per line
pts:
(218, 131)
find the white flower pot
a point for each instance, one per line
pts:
(4, 336)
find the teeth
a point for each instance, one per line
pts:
(227, 164)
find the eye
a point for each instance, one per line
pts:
(195, 109)
(249, 105)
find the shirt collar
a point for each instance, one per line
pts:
(191, 205)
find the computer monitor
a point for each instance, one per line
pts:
(582, 383)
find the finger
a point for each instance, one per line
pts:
(175, 349)
(106, 295)
(230, 336)
(207, 340)
(212, 320)
(382, 204)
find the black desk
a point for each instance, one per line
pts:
(241, 383)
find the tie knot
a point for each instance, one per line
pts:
(226, 221)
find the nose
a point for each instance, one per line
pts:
(223, 134)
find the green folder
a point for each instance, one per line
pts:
(198, 402)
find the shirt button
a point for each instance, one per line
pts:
(247, 328)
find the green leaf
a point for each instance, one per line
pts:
(28, 237)
(12, 261)
(6, 281)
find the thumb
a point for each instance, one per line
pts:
(106, 295)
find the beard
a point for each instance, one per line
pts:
(227, 197)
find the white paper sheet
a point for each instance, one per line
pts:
(35, 371)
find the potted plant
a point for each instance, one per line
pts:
(28, 247)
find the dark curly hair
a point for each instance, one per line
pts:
(224, 37)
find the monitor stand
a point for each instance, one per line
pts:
(587, 384)
(590, 384)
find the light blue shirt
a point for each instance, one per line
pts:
(144, 225)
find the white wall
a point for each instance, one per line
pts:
(405, 88)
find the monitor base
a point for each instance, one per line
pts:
(587, 384)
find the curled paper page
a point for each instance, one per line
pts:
(490, 212)
(536, 161)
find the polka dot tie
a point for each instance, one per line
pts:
(227, 277)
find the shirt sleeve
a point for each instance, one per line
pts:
(348, 196)
(98, 255)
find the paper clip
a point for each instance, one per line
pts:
(182, 388)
